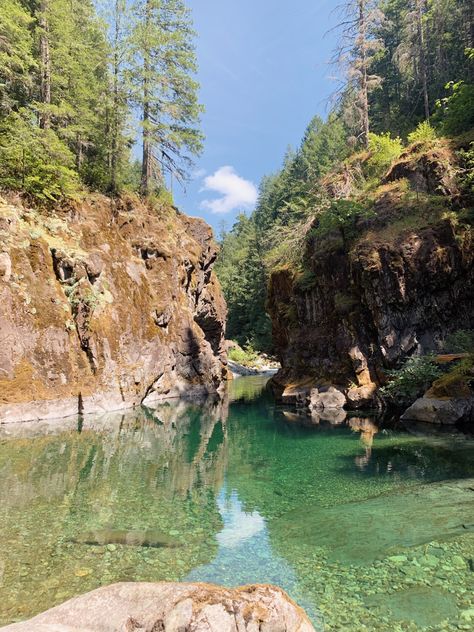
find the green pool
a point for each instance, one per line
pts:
(369, 528)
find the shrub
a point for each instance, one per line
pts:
(457, 109)
(467, 173)
(461, 341)
(246, 356)
(35, 161)
(383, 151)
(342, 215)
(412, 379)
(424, 132)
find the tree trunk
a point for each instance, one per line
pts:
(45, 65)
(79, 152)
(147, 146)
(422, 56)
(364, 88)
(116, 104)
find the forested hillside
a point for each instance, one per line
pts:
(83, 83)
(407, 72)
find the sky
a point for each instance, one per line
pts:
(264, 73)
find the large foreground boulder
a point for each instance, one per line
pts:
(169, 607)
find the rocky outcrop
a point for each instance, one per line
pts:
(443, 412)
(105, 305)
(364, 307)
(168, 607)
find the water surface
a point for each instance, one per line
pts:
(368, 527)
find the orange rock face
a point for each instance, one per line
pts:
(105, 305)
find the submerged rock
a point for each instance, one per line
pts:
(423, 605)
(108, 537)
(388, 525)
(169, 607)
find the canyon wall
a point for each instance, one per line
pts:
(399, 287)
(105, 305)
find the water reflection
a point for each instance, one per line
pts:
(246, 555)
(367, 429)
(232, 491)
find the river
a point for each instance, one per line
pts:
(366, 525)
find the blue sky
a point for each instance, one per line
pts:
(264, 73)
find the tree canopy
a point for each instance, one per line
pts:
(74, 78)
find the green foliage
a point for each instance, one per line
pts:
(35, 161)
(241, 271)
(246, 356)
(467, 175)
(424, 132)
(305, 281)
(457, 109)
(274, 234)
(80, 80)
(17, 62)
(461, 341)
(412, 379)
(383, 151)
(397, 104)
(341, 216)
(161, 72)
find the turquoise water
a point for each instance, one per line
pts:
(367, 527)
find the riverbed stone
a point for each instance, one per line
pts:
(173, 607)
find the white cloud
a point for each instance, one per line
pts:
(198, 174)
(236, 192)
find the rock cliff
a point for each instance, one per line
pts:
(105, 305)
(399, 287)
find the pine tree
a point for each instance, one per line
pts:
(45, 63)
(117, 109)
(17, 62)
(162, 72)
(358, 47)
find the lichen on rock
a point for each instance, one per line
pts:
(105, 304)
(169, 607)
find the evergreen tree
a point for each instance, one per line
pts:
(118, 100)
(162, 71)
(358, 47)
(17, 62)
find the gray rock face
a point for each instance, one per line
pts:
(168, 607)
(445, 412)
(371, 306)
(331, 399)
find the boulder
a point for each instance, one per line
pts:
(330, 398)
(361, 397)
(173, 607)
(446, 412)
